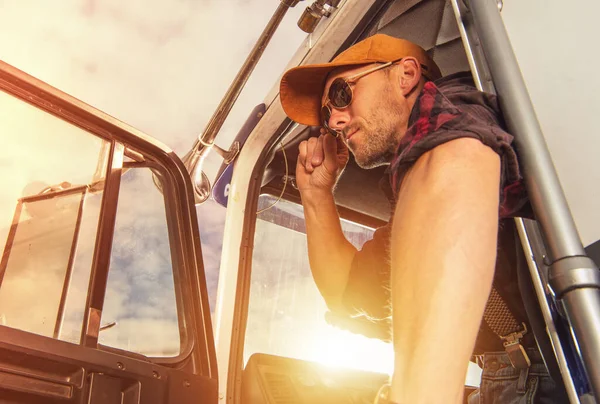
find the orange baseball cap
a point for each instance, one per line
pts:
(301, 87)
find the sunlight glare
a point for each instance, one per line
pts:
(338, 348)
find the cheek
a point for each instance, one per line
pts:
(361, 108)
(375, 110)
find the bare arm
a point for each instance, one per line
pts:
(320, 161)
(443, 257)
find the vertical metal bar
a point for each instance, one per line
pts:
(540, 291)
(533, 247)
(476, 64)
(102, 252)
(10, 239)
(68, 274)
(544, 189)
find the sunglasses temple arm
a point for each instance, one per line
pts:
(371, 70)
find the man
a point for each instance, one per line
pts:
(453, 175)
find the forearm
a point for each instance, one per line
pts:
(330, 253)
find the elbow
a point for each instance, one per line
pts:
(333, 300)
(336, 306)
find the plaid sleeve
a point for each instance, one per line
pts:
(436, 121)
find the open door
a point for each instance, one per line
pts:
(102, 289)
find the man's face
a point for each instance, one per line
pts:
(376, 118)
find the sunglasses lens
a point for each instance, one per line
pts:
(340, 93)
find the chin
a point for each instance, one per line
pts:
(368, 162)
(373, 150)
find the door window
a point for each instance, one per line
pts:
(45, 188)
(52, 190)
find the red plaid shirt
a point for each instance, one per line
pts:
(460, 111)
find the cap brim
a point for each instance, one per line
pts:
(301, 90)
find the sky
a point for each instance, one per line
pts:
(161, 66)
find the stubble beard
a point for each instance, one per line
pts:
(379, 135)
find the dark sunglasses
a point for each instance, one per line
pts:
(340, 93)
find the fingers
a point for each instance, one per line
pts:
(317, 157)
(312, 144)
(314, 151)
(302, 150)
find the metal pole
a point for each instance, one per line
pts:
(222, 111)
(205, 139)
(475, 63)
(576, 282)
(529, 238)
(545, 191)
(574, 278)
(218, 118)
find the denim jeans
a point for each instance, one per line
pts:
(503, 384)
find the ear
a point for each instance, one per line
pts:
(409, 75)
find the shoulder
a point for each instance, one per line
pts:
(458, 181)
(458, 169)
(460, 154)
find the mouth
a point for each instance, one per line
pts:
(349, 135)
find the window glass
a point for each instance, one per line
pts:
(286, 313)
(140, 310)
(76, 296)
(52, 171)
(49, 213)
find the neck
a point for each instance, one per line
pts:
(408, 108)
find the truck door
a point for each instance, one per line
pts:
(102, 289)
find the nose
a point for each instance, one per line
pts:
(339, 118)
